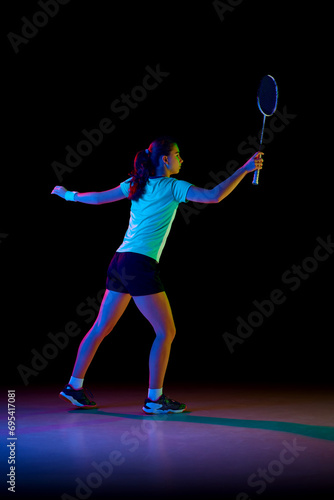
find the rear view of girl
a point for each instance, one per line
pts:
(134, 270)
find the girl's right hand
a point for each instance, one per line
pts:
(59, 191)
(254, 163)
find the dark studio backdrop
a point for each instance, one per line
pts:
(249, 280)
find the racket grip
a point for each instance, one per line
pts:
(256, 177)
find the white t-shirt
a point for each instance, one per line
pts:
(152, 215)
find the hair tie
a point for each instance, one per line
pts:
(147, 151)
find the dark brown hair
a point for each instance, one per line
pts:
(146, 163)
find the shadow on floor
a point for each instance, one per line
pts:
(314, 431)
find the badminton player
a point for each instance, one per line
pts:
(134, 269)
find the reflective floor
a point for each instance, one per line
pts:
(236, 442)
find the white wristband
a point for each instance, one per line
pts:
(69, 195)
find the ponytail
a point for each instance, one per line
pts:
(143, 169)
(146, 163)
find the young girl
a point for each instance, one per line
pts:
(134, 269)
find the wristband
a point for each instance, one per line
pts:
(69, 195)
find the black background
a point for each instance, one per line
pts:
(54, 254)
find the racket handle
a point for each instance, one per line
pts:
(256, 177)
(257, 172)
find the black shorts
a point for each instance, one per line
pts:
(134, 273)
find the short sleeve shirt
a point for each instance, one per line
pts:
(152, 215)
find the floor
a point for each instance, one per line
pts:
(235, 442)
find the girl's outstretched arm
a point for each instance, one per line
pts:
(93, 198)
(219, 192)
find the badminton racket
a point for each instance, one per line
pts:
(267, 96)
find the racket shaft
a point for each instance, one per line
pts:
(264, 121)
(257, 172)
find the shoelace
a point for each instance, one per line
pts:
(85, 392)
(169, 400)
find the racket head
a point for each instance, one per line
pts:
(267, 95)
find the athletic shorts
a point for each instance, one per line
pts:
(134, 273)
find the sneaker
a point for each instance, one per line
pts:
(78, 397)
(163, 405)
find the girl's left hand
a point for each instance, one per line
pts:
(59, 191)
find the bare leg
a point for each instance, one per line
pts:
(112, 307)
(157, 310)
